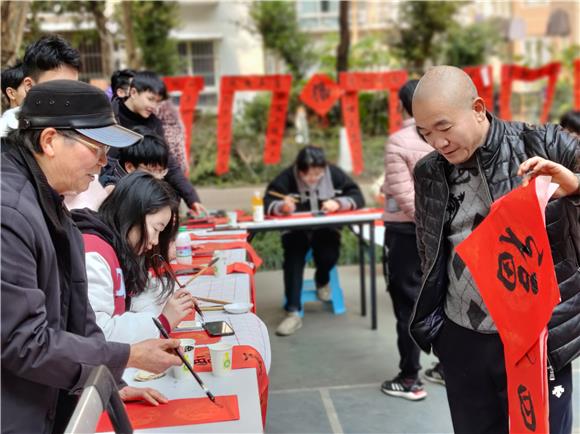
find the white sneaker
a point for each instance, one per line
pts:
(289, 325)
(323, 293)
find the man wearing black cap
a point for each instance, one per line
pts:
(50, 341)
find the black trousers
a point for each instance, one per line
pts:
(404, 283)
(476, 383)
(325, 245)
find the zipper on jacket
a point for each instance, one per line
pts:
(551, 374)
(483, 178)
(436, 253)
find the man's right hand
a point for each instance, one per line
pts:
(154, 355)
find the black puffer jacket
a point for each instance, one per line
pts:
(508, 144)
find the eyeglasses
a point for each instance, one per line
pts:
(99, 150)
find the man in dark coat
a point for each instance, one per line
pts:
(50, 341)
(479, 159)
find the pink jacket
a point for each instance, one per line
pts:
(402, 151)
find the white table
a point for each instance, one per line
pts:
(241, 382)
(361, 219)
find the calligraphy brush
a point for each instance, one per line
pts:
(185, 362)
(282, 196)
(212, 262)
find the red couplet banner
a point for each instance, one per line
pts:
(279, 85)
(577, 84)
(353, 82)
(509, 73)
(190, 88)
(482, 77)
(510, 260)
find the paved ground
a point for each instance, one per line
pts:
(326, 378)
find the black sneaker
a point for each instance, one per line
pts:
(407, 388)
(435, 374)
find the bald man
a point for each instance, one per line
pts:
(478, 159)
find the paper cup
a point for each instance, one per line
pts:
(232, 218)
(220, 267)
(221, 358)
(188, 351)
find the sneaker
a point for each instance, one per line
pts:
(407, 388)
(435, 374)
(323, 293)
(289, 325)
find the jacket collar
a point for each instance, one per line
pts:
(489, 150)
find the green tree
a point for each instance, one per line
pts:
(472, 44)
(277, 23)
(422, 27)
(152, 22)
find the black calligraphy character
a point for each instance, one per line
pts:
(320, 92)
(506, 271)
(527, 407)
(525, 248)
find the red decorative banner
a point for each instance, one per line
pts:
(353, 82)
(320, 93)
(510, 259)
(577, 84)
(482, 77)
(509, 73)
(279, 85)
(190, 88)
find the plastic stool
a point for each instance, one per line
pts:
(336, 296)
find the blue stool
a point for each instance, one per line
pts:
(309, 290)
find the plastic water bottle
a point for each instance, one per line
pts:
(183, 247)
(258, 207)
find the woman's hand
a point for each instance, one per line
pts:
(146, 394)
(179, 305)
(289, 206)
(535, 166)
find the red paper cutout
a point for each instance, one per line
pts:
(482, 77)
(280, 87)
(190, 88)
(577, 84)
(244, 356)
(352, 83)
(320, 93)
(509, 73)
(177, 412)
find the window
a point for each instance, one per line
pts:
(318, 14)
(198, 58)
(89, 47)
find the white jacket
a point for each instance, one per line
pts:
(132, 326)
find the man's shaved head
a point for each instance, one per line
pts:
(449, 113)
(448, 85)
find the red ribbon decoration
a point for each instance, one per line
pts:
(510, 259)
(509, 73)
(190, 88)
(280, 87)
(320, 93)
(482, 77)
(577, 84)
(353, 82)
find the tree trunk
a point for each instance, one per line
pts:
(133, 60)
(106, 40)
(344, 45)
(13, 21)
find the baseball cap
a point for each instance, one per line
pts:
(74, 105)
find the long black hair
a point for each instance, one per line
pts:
(134, 197)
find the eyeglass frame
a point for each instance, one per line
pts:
(97, 149)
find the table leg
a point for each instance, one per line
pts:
(361, 262)
(373, 276)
